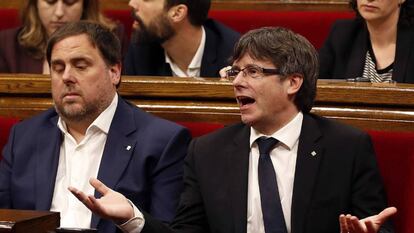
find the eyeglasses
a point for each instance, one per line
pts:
(252, 71)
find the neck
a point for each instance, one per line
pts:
(383, 32)
(78, 128)
(182, 47)
(273, 125)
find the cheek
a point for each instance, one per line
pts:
(44, 15)
(75, 13)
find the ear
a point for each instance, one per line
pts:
(295, 82)
(115, 74)
(178, 13)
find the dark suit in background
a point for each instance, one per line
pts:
(341, 178)
(149, 59)
(14, 58)
(343, 53)
(142, 159)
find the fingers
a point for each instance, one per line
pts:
(343, 224)
(81, 196)
(350, 224)
(99, 186)
(223, 71)
(355, 226)
(371, 224)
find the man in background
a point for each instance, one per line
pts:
(175, 38)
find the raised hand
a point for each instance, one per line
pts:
(351, 224)
(112, 205)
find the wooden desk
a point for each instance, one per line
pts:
(28, 221)
(368, 106)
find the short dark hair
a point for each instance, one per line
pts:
(107, 43)
(197, 9)
(406, 13)
(290, 52)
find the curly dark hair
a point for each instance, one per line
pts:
(406, 14)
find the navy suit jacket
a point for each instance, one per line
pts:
(149, 59)
(149, 173)
(343, 53)
(341, 176)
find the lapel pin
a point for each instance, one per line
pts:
(313, 153)
(128, 148)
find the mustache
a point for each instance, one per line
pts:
(70, 90)
(136, 17)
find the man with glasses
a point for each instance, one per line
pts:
(282, 169)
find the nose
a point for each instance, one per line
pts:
(239, 79)
(67, 76)
(59, 9)
(133, 4)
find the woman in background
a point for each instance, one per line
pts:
(22, 48)
(376, 46)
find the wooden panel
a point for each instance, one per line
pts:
(365, 105)
(276, 5)
(23, 221)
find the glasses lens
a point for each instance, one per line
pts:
(253, 71)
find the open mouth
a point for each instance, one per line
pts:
(245, 100)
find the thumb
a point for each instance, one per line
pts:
(386, 213)
(99, 186)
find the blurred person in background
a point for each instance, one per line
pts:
(376, 46)
(176, 38)
(22, 48)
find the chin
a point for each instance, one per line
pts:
(247, 120)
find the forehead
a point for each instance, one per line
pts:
(246, 59)
(78, 45)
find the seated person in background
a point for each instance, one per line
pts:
(175, 38)
(91, 132)
(317, 168)
(377, 45)
(22, 48)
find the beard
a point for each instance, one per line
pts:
(78, 111)
(158, 31)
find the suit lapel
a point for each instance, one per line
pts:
(404, 43)
(118, 149)
(209, 66)
(356, 59)
(47, 158)
(310, 154)
(238, 163)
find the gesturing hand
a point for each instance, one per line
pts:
(351, 224)
(112, 205)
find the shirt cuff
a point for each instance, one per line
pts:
(135, 224)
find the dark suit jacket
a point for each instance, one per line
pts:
(341, 178)
(343, 53)
(149, 59)
(149, 174)
(15, 59)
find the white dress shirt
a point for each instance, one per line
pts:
(283, 157)
(78, 163)
(194, 68)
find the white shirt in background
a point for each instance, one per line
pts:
(195, 65)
